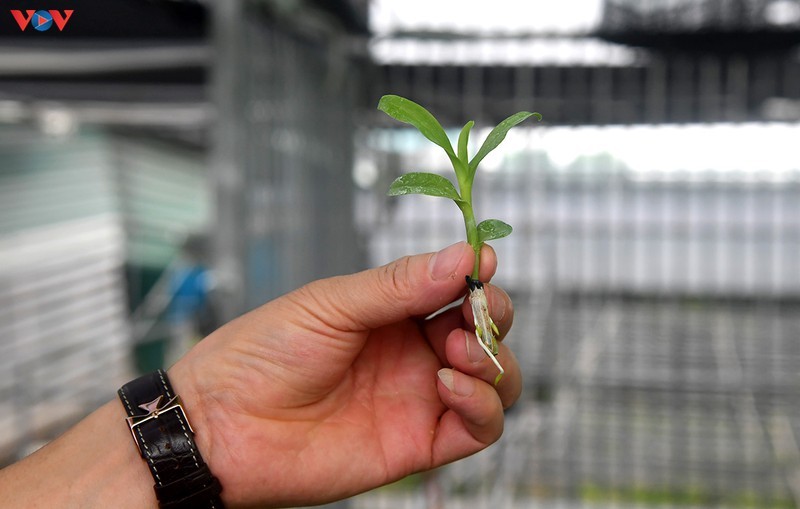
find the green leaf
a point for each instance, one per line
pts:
(424, 183)
(463, 142)
(408, 111)
(493, 229)
(497, 135)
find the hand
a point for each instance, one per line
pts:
(332, 389)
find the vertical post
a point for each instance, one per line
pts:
(227, 168)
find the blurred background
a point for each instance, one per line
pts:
(166, 165)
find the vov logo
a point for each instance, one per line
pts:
(42, 20)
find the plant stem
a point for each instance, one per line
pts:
(472, 234)
(465, 187)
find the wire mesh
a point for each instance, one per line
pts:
(656, 297)
(283, 155)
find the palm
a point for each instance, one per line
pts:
(377, 405)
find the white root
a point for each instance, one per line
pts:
(485, 328)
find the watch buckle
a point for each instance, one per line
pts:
(155, 409)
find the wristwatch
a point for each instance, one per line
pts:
(162, 432)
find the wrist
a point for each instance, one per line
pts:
(121, 470)
(93, 465)
(194, 404)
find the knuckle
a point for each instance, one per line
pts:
(396, 276)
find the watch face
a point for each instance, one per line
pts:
(151, 407)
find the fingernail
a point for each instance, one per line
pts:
(460, 386)
(475, 353)
(444, 263)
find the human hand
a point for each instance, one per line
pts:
(332, 389)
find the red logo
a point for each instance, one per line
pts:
(42, 20)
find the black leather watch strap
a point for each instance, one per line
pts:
(162, 432)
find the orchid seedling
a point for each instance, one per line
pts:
(432, 184)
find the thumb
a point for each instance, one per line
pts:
(410, 286)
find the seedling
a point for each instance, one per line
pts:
(432, 184)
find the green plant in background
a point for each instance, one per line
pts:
(465, 169)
